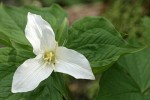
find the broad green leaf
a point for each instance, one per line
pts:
(129, 79)
(146, 24)
(13, 21)
(98, 40)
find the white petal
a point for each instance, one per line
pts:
(29, 75)
(40, 34)
(73, 63)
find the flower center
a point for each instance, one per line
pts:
(49, 57)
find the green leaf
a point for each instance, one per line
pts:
(13, 21)
(146, 24)
(98, 40)
(127, 80)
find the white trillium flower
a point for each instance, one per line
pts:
(49, 57)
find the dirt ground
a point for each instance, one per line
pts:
(80, 11)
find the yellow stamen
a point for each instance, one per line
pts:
(49, 57)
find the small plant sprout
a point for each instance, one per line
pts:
(49, 57)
